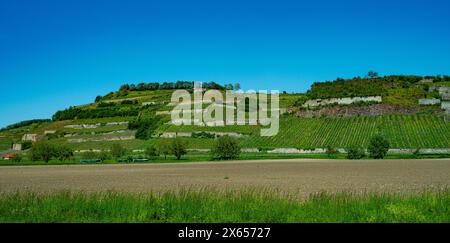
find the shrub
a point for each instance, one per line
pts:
(203, 135)
(129, 102)
(331, 151)
(104, 155)
(178, 147)
(416, 153)
(63, 152)
(151, 151)
(89, 155)
(378, 147)
(226, 147)
(117, 150)
(355, 153)
(145, 127)
(26, 145)
(17, 158)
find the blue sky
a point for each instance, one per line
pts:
(54, 54)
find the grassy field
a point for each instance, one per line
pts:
(209, 205)
(206, 156)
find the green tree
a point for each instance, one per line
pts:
(355, 152)
(103, 156)
(42, 151)
(164, 148)
(63, 152)
(378, 147)
(151, 151)
(226, 147)
(372, 74)
(124, 87)
(228, 86)
(117, 150)
(178, 148)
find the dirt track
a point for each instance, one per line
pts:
(300, 175)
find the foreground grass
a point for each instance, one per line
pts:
(205, 157)
(213, 206)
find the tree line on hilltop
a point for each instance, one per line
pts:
(371, 85)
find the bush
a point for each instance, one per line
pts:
(89, 155)
(203, 135)
(331, 151)
(117, 150)
(26, 145)
(151, 151)
(145, 127)
(104, 155)
(17, 158)
(63, 152)
(178, 148)
(378, 147)
(226, 147)
(355, 153)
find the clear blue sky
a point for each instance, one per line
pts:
(54, 54)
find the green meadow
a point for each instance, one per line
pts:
(209, 205)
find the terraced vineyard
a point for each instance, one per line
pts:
(5, 143)
(108, 124)
(403, 131)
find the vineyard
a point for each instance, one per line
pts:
(5, 143)
(403, 131)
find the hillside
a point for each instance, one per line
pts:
(138, 116)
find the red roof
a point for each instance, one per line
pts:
(8, 156)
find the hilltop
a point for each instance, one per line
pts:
(410, 111)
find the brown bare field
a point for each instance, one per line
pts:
(304, 176)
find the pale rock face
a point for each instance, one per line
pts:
(149, 103)
(159, 113)
(17, 147)
(169, 135)
(446, 96)
(90, 150)
(250, 150)
(184, 134)
(119, 138)
(435, 151)
(189, 134)
(87, 126)
(29, 137)
(284, 151)
(429, 101)
(443, 90)
(341, 101)
(445, 105)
